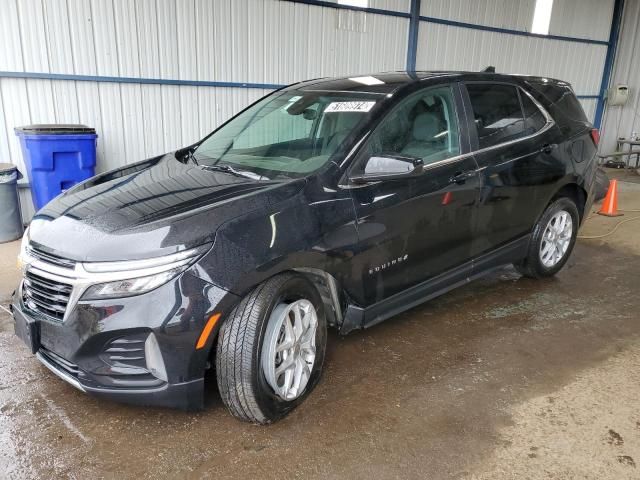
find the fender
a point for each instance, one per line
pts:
(313, 229)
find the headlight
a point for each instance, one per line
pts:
(134, 277)
(129, 287)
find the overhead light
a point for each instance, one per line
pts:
(542, 17)
(367, 80)
(354, 3)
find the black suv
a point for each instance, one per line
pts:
(329, 203)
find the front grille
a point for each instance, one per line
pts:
(45, 296)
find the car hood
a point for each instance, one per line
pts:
(153, 208)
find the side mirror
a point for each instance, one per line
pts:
(389, 167)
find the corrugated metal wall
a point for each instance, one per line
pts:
(622, 121)
(445, 46)
(570, 18)
(262, 42)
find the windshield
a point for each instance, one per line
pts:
(291, 134)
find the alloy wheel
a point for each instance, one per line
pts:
(289, 348)
(556, 239)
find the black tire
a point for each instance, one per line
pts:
(531, 266)
(241, 380)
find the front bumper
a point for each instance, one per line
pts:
(100, 346)
(185, 396)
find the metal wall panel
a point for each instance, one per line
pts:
(622, 121)
(572, 18)
(582, 18)
(11, 51)
(589, 106)
(260, 41)
(394, 5)
(257, 41)
(445, 47)
(513, 14)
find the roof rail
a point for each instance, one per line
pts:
(490, 69)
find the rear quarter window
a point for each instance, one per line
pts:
(534, 119)
(563, 106)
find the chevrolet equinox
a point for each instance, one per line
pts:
(329, 203)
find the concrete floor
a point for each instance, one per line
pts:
(505, 378)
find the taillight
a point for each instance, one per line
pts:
(595, 136)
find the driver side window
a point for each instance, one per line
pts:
(423, 126)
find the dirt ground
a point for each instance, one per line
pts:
(506, 378)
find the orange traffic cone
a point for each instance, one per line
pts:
(610, 204)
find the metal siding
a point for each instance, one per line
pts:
(284, 42)
(572, 18)
(589, 106)
(104, 36)
(112, 134)
(65, 101)
(14, 101)
(513, 14)
(167, 38)
(41, 104)
(33, 35)
(5, 154)
(126, 37)
(622, 121)
(393, 5)
(58, 40)
(81, 37)
(441, 47)
(132, 122)
(582, 18)
(90, 113)
(11, 51)
(258, 41)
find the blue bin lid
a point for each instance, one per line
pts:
(54, 129)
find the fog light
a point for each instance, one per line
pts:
(152, 354)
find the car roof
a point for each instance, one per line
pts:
(388, 82)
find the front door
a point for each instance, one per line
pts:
(412, 229)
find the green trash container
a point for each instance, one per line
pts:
(10, 217)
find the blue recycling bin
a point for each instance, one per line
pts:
(57, 157)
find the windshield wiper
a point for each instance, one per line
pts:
(233, 171)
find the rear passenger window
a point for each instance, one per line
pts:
(497, 113)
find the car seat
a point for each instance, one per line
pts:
(425, 141)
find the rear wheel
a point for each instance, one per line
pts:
(552, 240)
(271, 349)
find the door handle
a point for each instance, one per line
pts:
(549, 147)
(461, 177)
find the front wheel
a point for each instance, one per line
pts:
(552, 240)
(271, 349)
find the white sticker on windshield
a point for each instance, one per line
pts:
(349, 107)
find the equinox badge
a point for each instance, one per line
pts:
(388, 264)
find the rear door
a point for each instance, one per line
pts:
(513, 142)
(412, 229)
